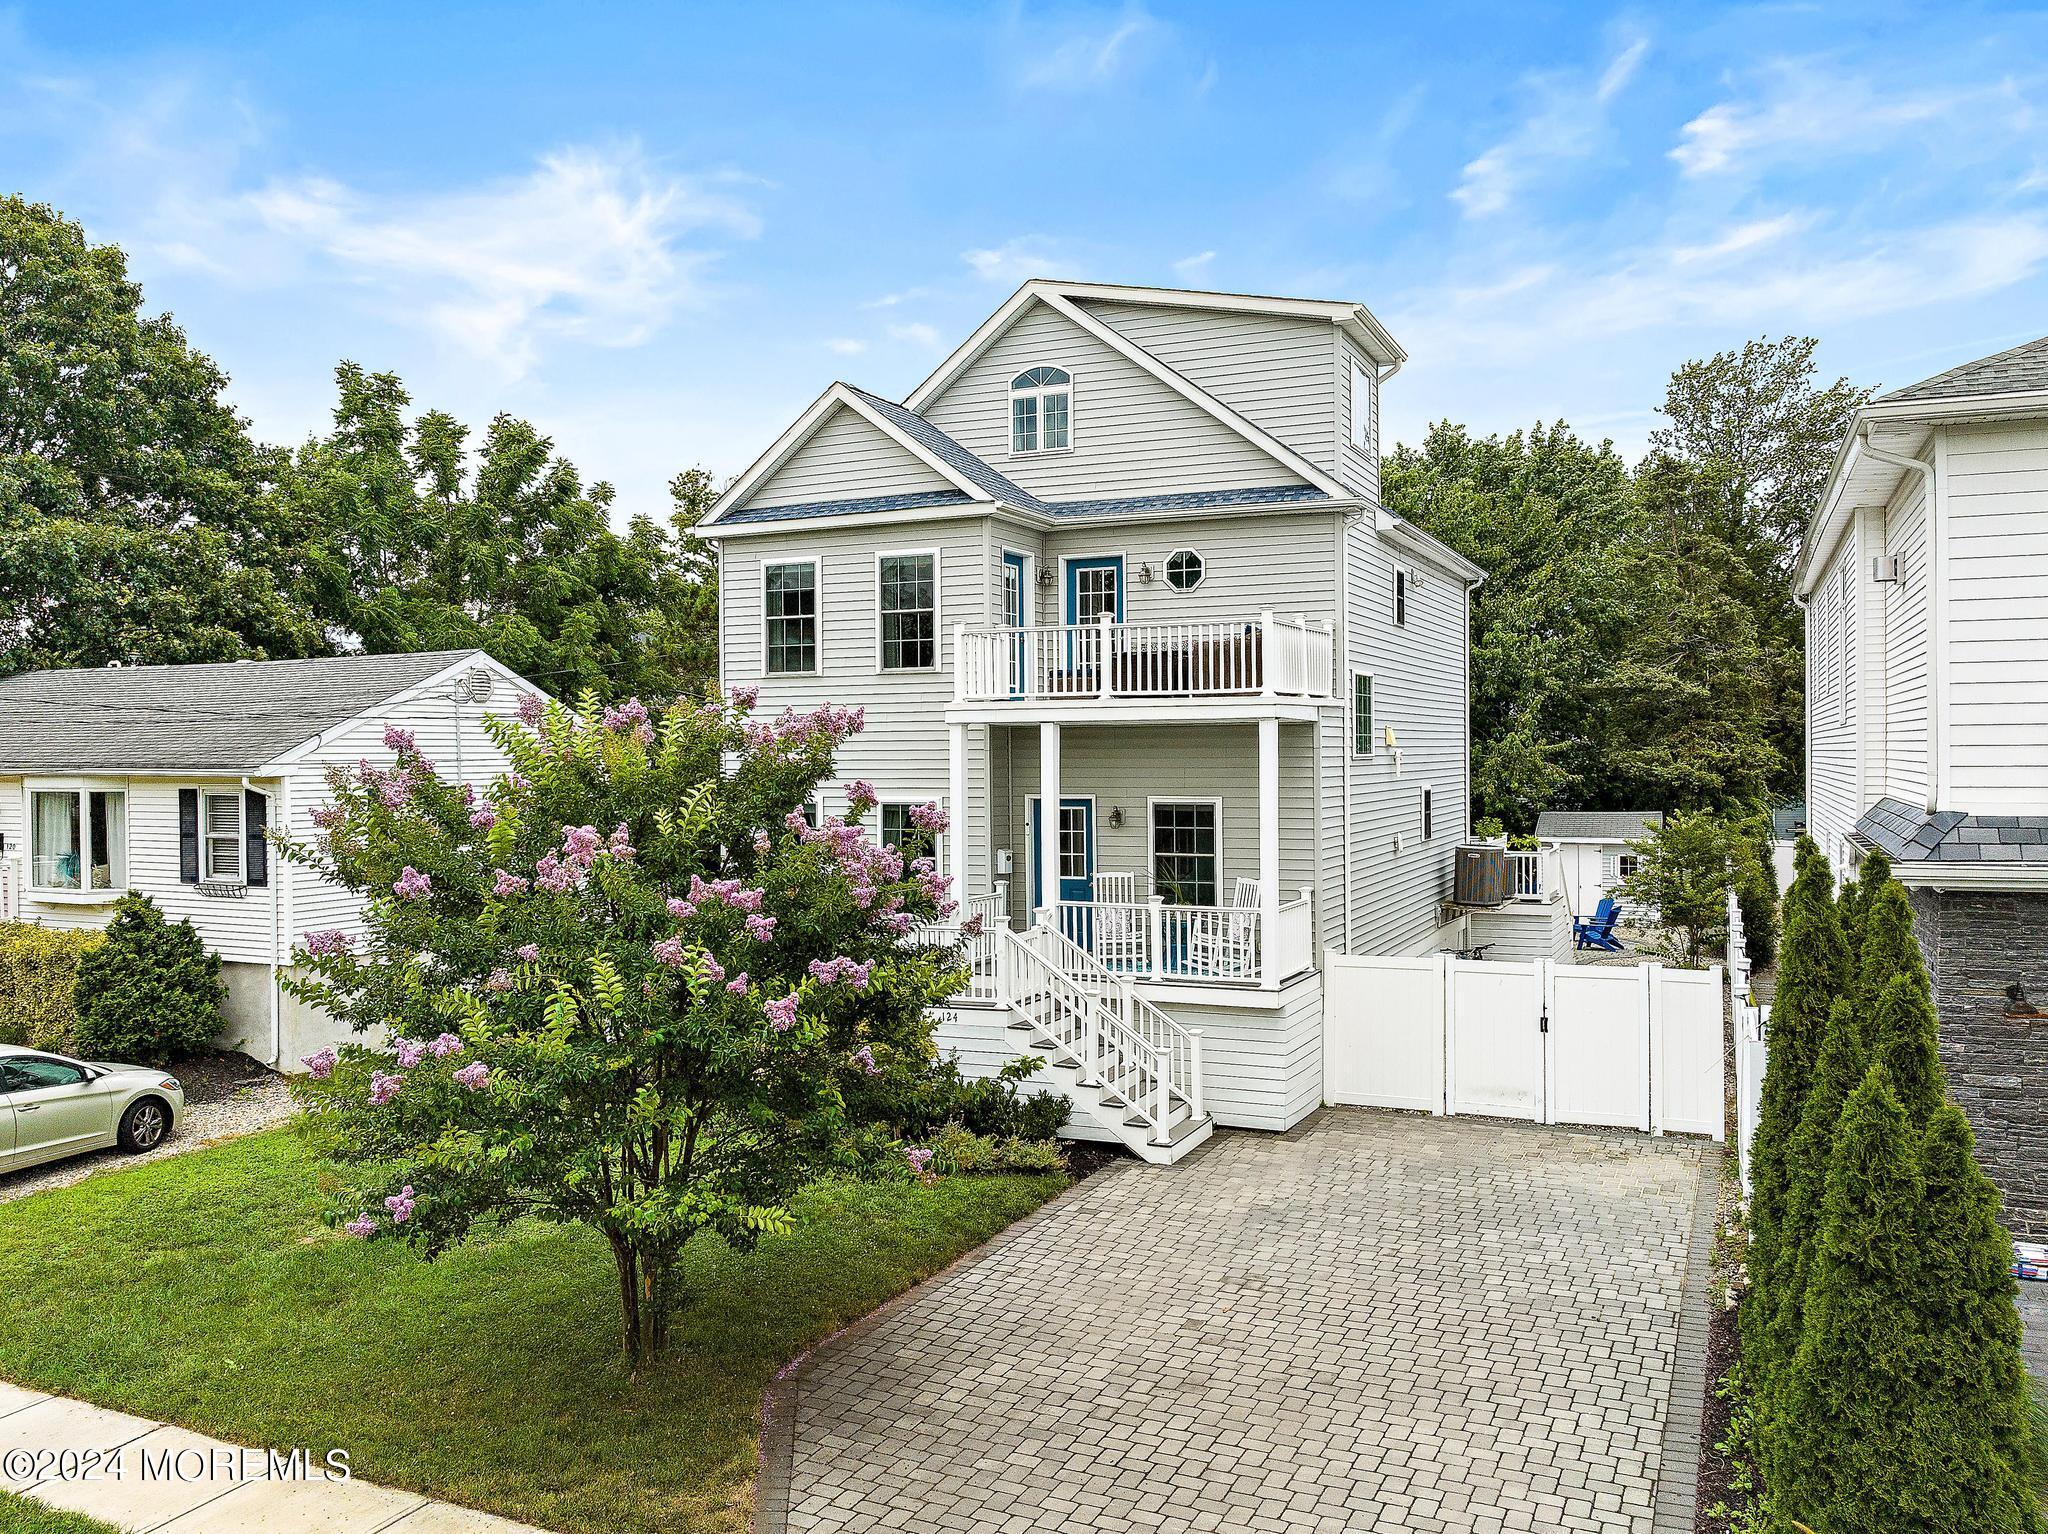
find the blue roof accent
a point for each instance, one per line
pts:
(1186, 500)
(908, 501)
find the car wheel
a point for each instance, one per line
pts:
(144, 1125)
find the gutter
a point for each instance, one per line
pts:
(1937, 604)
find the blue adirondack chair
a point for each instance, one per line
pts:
(1597, 930)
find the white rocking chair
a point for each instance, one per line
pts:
(1119, 924)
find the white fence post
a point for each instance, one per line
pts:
(1195, 1072)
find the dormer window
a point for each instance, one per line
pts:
(1041, 411)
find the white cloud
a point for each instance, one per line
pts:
(1017, 261)
(1195, 265)
(916, 332)
(589, 245)
(1565, 123)
(895, 300)
(846, 346)
(1082, 51)
(1804, 107)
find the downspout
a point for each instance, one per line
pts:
(277, 889)
(1349, 725)
(1937, 565)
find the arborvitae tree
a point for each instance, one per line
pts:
(1842, 1066)
(1978, 1382)
(151, 992)
(1813, 972)
(1854, 1453)
(1889, 946)
(1902, 1036)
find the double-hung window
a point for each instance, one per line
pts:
(790, 600)
(1361, 713)
(222, 838)
(78, 838)
(1041, 411)
(1400, 597)
(1186, 851)
(1361, 408)
(910, 839)
(908, 586)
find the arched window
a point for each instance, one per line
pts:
(1041, 411)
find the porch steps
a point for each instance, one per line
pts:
(1099, 1064)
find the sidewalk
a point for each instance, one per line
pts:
(145, 1475)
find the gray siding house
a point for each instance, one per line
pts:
(1925, 582)
(1121, 555)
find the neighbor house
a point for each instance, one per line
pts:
(167, 779)
(1925, 582)
(1122, 555)
(1593, 853)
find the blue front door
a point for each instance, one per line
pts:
(1077, 851)
(1013, 616)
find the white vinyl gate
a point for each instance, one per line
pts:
(1635, 1048)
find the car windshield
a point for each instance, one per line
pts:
(25, 1073)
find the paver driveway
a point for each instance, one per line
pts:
(1379, 1322)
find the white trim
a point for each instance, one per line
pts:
(79, 786)
(1063, 710)
(425, 687)
(1420, 545)
(1023, 517)
(938, 622)
(1351, 751)
(1941, 773)
(1027, 606)
(207, 836)
(1123, 585)
(1070, 388)
(1152, 802)
(817, 564)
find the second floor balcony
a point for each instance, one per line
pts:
(1272, 656)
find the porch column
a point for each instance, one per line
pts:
(956, 810)
(1049, 813)
(1269, 844)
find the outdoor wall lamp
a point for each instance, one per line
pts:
(1116, 817)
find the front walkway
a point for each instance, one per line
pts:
(1377, 1322)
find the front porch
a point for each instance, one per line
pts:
(1182, 856)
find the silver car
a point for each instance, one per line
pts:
(52, 1106)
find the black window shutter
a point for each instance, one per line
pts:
(255, 817)
(188, 835)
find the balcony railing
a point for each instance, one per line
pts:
(1151, 940)
(1267, 656)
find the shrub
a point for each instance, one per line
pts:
(1756, 892)
(958, 1151)
(151, 992)
(38, 975)
(989, 1105)
(1682, 873)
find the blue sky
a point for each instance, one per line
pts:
(660, 230)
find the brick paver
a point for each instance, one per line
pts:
(1380, 1322)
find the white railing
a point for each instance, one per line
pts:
(1152, 940)
(1118, 1040)
(978, 947)
(1529, 875)
(1269, 656)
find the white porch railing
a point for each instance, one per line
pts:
(1269, 656)
(1151, 940)
(978, 950)
(1118, 1040)
(1527, 875)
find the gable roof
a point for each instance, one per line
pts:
(1598, 825)
(231, 717)
(2020, 369)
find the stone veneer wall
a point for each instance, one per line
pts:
(1976, 945)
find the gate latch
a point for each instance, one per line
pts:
(1543, 1022)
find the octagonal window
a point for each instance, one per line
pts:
(1183, 569)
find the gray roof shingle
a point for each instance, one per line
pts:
(231, 717)
(2015, 371)
(1909, 834)
(1598, 825)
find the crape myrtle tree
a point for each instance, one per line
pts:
(629, 986)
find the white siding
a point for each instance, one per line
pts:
(1359, 470)
(1903, 685)
(1274, 370)
(1520, 933)
(1132, 434)
(1995, 505)
(904, 749)
(1274, 560)
(845, 459)
(1833, 797)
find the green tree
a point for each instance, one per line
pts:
(1889, 946)
(1853, 900)
(1977, 1393)
(403, 539)
(151, 992)
(1756, 888)
(1858, 1453)
(1813, 974)
(127, 484)
(632, 987)
(1682, 872)
(1903, 1034)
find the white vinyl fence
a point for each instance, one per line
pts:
(1634, 1048)
(1751, 1052)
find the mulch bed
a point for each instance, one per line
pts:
(216, 1075)
(1088, 1156)
(1722, 1340)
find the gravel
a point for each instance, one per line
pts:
(243, 1111)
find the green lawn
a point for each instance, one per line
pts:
(203, 1290)
(19, 1515)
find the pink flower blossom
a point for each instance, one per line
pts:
(864, 1057)
(500, 979)
(714, 972)
(411, 884)
(670, 951)
(745, 697)
(973, 925)
(796, 822)
(928, 817)
(532, 710)
(362, 1227)
(556, 876)
(383, 1088)
(508, 885)
(840, 969)
(861, 796)
(483, 819)
(410, 1053)
(320, 944)
(581, 844)
(761, 844)
(760, 928)
(320, 1065)
(626, 716)
(396, 739)
(529, 953)
(472, 1076)
(898, 922)
(782, 1013)
(920, 1159)
(328, 816)
(739, 984)
(400, 1205)
(444, 1045)
(680, 909)
(620, 844)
